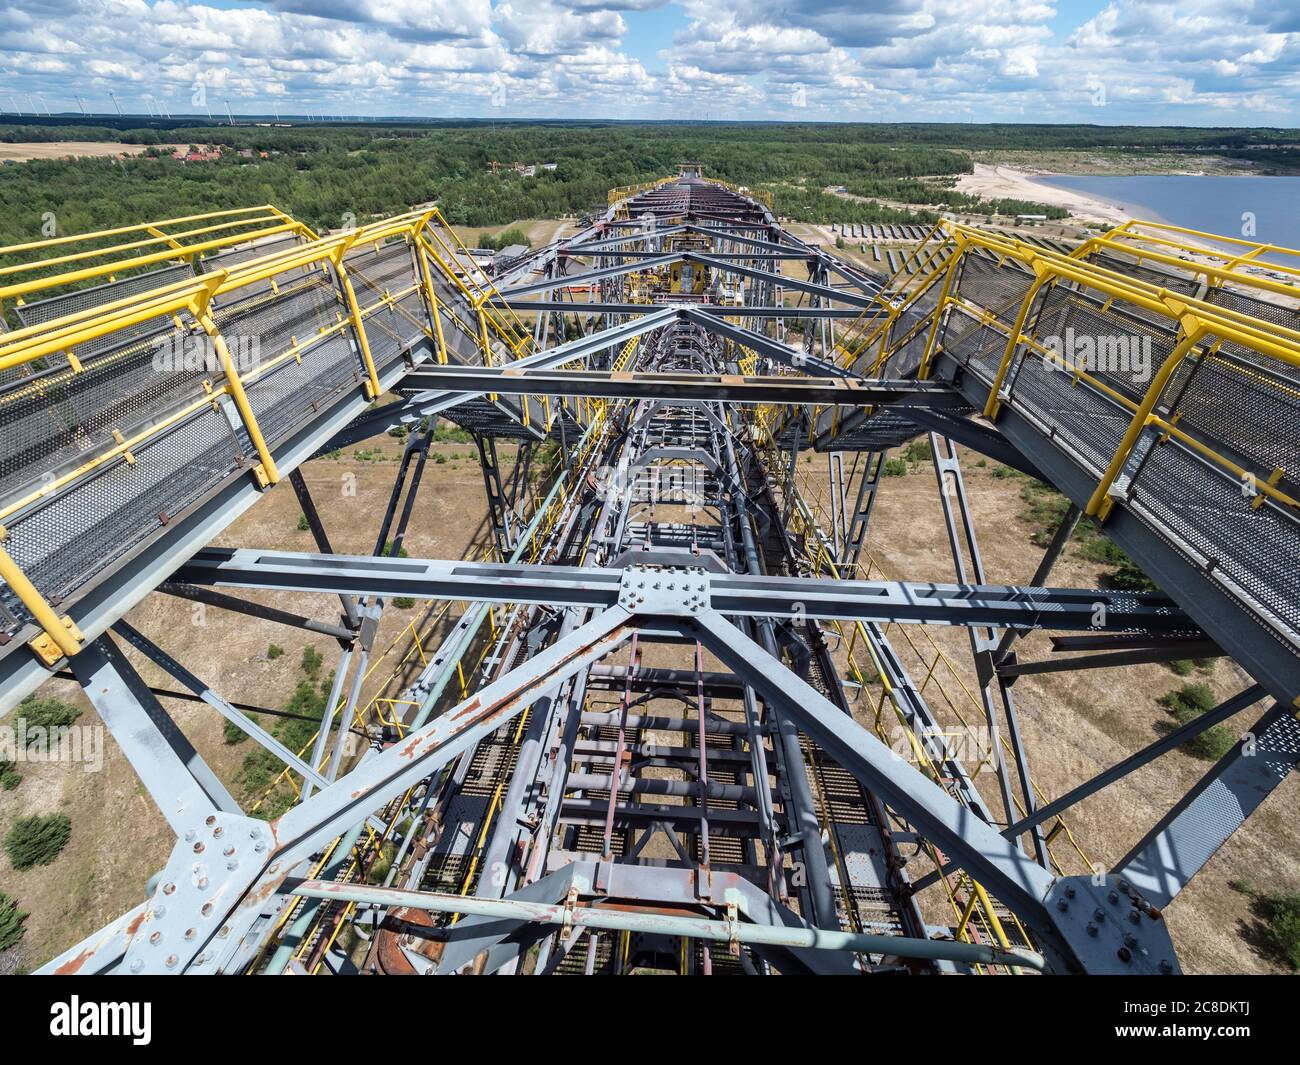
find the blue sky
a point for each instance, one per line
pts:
(1202, 62)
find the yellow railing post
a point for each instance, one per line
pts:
(1042, 276)
(924, 370)
(62, 636)
(235, 386)
(1099, 504)
(435, 311)
(354, 313)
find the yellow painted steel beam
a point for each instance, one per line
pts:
(158, 236)
(88, 273)
(139, 227)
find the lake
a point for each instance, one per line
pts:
(1214, 204)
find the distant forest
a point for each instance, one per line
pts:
(322, 174)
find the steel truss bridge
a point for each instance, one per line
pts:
(661, 729)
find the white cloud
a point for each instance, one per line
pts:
(1195, 60)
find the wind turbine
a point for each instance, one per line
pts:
(112, 96)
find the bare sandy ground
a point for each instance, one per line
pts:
(69, 149)
(997, 182)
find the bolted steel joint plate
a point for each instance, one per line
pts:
(213, 863)
(646, 590)
(1110, 928)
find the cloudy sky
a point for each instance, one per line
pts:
(1202, 62)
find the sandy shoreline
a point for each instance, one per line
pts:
(998, 182)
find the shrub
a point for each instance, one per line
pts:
(37, 840)
(403, 602)
(918, 451)
(303, 523)
(311, 661)
(894, 468)
(8, 778)
(1281, 927)
(1277, 922)
(1191, 700)
(1184, 666)
(274, 651)
(1046, 508)
(233, 734)
(1188, 703)
(11, 922)
(46, 713)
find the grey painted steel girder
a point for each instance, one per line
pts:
(229, 870)
(560, 306)
(862, 298)
(681, 386)
(909, 602)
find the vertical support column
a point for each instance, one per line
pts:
(952, 496)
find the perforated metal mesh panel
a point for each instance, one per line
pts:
(1206, 510)
(976, 346)
(1152, 274)
(228, 258)
(38, 312)
(64, 540)
(267, 324)
(383, 271)
(1000, 288)
(1211, 393)
(52, 418)
(41, 312)
(289, 393)
(1120, 349)
(1267, 310)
